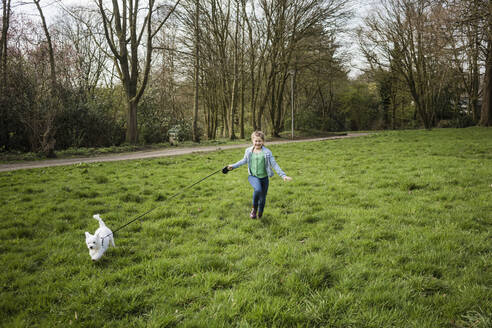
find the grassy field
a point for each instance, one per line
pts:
(390, 230)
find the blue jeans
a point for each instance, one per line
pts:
(260, 187)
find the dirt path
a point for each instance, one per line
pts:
(148, 154)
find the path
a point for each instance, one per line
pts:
(149, 154)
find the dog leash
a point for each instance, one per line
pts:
(224, 170)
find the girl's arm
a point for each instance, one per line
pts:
(240, 163)
(277, 169)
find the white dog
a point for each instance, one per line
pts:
(99, 242)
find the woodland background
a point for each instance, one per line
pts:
(107, 73)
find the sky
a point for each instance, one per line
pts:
(52, 8)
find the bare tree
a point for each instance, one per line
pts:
(80, 33)
(44, 128)
(468, 29)
(196, 135)
(124, 30)
(216, 41)
(3, 39)
(407, 35)
(463, 27)
(4, 133)
(51, 52)
(242, 77)
(288, 24)
(235, 76)
(259, 37)
(486, 114)
(256, 59)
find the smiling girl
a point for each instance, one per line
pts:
(260, 162)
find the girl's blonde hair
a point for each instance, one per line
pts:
(258, 134)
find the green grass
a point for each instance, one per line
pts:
(390, 230)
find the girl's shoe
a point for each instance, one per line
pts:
(260, 214)
(253, 214)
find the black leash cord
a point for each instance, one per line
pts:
(173, 196)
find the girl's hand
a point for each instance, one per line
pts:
(286, 178)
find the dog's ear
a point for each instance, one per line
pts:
(87, 235)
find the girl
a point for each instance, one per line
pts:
(260, 163)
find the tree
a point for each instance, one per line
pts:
(242, 76)
(4, 39)
(468, 29)
(320, 80)
(4, 133)
(465, 32)
(407, 34)
(51, 52)
(196, 135)
(216, 63)
(85, 60)
(235, 76)
(43, 126)
(486, 114)
(289, 23)
(257, 62)
(124, 32)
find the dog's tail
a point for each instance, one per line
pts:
(98, 218)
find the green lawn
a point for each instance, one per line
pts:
(390, 230)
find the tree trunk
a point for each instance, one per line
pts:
(232, 133)
(4, 40)
(196, 136)
(241, 133)
(4, 133)
(234, 92)
(132, 130)
(486, 115)
(253, 98)
(278, 111)
(475, 75)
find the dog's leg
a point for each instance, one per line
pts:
(112, 241)
(98, 255)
